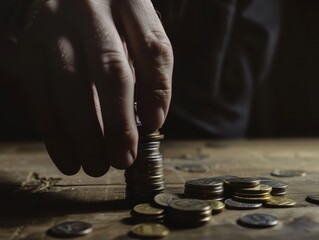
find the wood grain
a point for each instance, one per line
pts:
(35, 196)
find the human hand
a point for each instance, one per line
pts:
(80, 62)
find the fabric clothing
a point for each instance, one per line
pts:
(223, 49)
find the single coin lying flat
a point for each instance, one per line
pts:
(150, 230)
(258, 220)
(278, 202)
(71, 229)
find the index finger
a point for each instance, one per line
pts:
(152, 56)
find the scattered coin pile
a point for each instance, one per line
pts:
(189, 212)
(145, 178)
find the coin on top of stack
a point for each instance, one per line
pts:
(145, 178)
(147, 213)
(233, 184)
(260, 193)
(188, 212)
(279, 188)
(204, 188)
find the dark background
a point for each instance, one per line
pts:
(289, 97)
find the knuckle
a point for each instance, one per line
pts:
(159, 47)
(115, 67)
(125, 130)
(162, 94)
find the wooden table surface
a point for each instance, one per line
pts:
(35, 196)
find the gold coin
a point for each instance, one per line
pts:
(150, 230)
(216, 205)
(280, 202)
(251, 195)
(262, 188)
(147, 209)
(250, 199)
(190, 205)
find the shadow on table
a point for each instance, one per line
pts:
(21, 205)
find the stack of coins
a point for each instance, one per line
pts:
(217, 206)
(145, 178)
(260, 193)
(146, 213)
(204, 188)
(189, 212)
(233, 184)
(279, 188)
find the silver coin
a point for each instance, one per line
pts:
(274, 184)
(68, 229)
(258, 220)
(313, 198)
(288, 173)
(232, 204)
(222, 178)
(192, 168)
(163, 199)
(204, 182)
(243, 181)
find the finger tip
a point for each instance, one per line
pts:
(123, 160)
(95, 171)
(67, 166)
(69, 171)
(153, 119)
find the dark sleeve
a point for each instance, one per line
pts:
(222, 48)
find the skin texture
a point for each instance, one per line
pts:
(82, 64)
